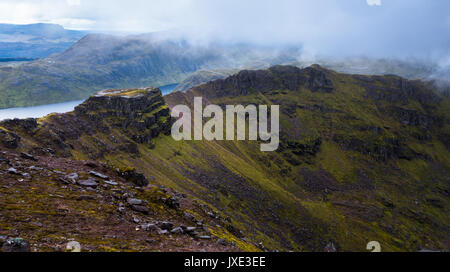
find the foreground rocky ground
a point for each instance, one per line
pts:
(49, 202)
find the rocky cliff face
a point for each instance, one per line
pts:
(124, 118)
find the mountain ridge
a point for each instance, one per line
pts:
(354, 162)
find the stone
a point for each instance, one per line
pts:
(205, 237)
(91, 164)
(73, 177)
(27, 156)
(111, 182)
(134, 201)
(139, 208)
(163, 232)
(166, 225)
(177, 230)
(88, 183)
(98, 175)
(150, 227)
(222, 242)
(13, 171)
(16, 245)
(190, 229)
(134, 177)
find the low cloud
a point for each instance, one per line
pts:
(395, 28)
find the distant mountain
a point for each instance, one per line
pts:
(203, 76)
(438, 76)
(35, 40)
(101, 61)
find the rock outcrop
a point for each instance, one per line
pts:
(135, 116)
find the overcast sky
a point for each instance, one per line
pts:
(346, 27)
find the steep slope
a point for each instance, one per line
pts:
(100, 61)
(361, 158)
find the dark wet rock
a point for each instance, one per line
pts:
(205, 237)
(27, 156)
(166, 225)
(88, 183)
(139, 208)
(98, 175)
(16, 245)
(132, 176)
(172, 203)
(91, 164)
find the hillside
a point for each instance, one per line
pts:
(101, 61)
(361, 158)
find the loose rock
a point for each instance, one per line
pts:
(16, 245)
(98, 175)
(88, 183)
(27, 156)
